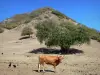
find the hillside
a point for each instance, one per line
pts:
(34, 17)
(19, 21)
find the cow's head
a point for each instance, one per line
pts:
(60, 58)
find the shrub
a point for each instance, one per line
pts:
(1, 30)
(59, 14)
(98, 39)
(27, 21)
(27, 31)
(36, 13)
(10, 25)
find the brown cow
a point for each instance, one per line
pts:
(50, 60)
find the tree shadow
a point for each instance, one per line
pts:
(45, 51)
(75, 51)
(54, 51)
(99, 41)
(24, 37)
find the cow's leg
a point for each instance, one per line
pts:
(43, 68)
(54, 68)
(39, 67)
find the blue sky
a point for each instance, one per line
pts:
(83, 11)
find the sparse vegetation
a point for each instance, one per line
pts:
(59, 14)
(38, 12)
(63, 35)
(27, 21)
(35, 14)
(94, 34)
(27, 31)
(10, 25)
(1, 30)
(23, 18)
(46, 17)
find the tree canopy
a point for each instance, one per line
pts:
(64, 34)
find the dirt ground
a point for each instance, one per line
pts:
(25, 63)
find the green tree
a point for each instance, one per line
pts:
(27, 31)
(63, 35)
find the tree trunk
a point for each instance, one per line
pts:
(64, 50)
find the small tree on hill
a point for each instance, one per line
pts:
(63, 35)
(27, 31)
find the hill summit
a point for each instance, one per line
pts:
(41, 14)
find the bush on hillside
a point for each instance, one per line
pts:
(98, 39)
(26, 31)
(10, 25)
(59, 14)
(94, 34)
(1, 30)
